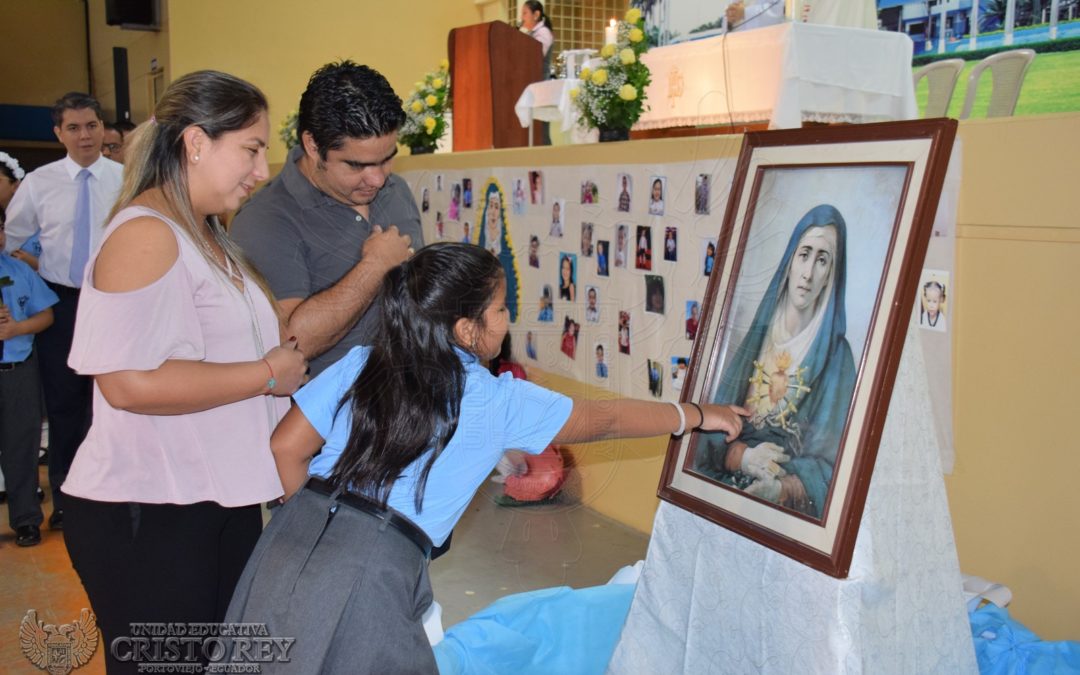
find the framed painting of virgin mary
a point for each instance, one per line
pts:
(802, 325)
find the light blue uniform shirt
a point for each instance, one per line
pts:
(33, 245)
(28, 296)
(497, 414)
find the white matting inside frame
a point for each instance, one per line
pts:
(711, 601)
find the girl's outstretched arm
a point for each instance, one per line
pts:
(593, 420)
(294, 443)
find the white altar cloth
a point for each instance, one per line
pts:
(785, 74)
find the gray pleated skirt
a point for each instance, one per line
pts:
(349, 588)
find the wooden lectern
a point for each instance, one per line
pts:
(490, 66)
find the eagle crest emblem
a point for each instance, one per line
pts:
(58, 649)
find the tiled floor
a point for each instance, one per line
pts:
(38, 578)
(496, 551)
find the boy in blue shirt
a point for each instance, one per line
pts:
(26, 311)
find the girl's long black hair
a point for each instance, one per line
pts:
(407, 397)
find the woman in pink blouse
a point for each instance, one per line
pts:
(190, 376)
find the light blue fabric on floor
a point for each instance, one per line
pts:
(1003, 646)
(554, 630)
(573, 632)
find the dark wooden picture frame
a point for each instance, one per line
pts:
(803, 323)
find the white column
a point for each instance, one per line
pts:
(943, 8)
(974, 32)
(1054, 10)
(1010, 21)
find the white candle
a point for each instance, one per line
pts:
(609, 33)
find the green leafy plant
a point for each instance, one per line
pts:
(425, 110)
(287, 130)
(613, 95)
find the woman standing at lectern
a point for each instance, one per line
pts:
(538, 26)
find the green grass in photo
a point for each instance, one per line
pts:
(1052, 85)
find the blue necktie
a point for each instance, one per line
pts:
(80, 243)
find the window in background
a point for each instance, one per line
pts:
(578, 24)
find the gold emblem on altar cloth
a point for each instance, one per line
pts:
(676, 85)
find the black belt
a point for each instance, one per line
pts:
(361, 503)
(63, 290)
(4, 367)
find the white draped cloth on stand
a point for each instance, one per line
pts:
(549, 101)
(711, 601)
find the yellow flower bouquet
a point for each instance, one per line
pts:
(612, 97)
(425, 111)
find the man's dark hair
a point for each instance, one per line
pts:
(74, 100)
(346, 100)
(125, 127)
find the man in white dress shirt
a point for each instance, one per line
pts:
(67, 202)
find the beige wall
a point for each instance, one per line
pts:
(277, 44)
(1014, 504)
(1013, 495)
(142, 46)
(44, 43)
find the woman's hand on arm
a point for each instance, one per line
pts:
(178, 387)
(631, 418)
(294, 443)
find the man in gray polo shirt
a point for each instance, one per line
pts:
(326, 230)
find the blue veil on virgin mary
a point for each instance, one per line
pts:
(798, 387)
(495, 237)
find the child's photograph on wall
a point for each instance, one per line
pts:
(536, 187)
(558, 217)
(643, 252)
(701, 194)
(933, 300)
(602, 265)
(624, 332)
(622, 237)
(654, 293)
(624, 189)
(570, 332)
(587, 239)
(671, 244)
(657, 190)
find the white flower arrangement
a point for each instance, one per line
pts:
(613, 95)
(425, 110)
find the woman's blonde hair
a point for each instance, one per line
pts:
(217, 103)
